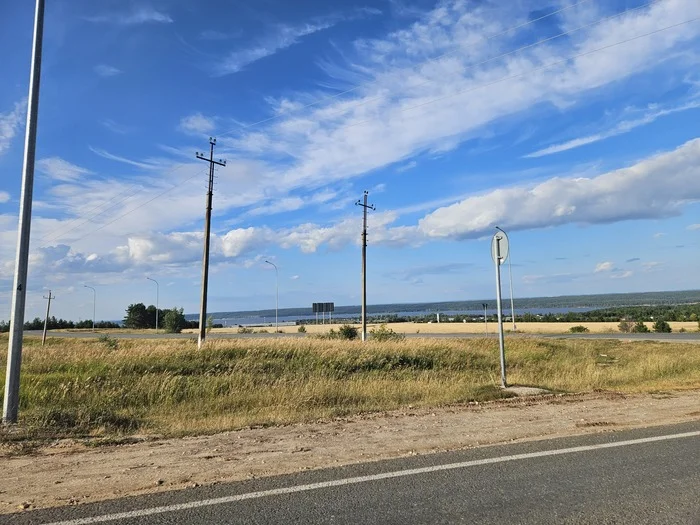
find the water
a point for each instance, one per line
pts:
(258, 320)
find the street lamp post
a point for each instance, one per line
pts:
(510, 280)
(157, 299)
(94, 304)
(277, 294)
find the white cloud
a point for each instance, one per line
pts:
(109, 156)
(140, 15)
(622, 127)
(283, 37)
(653, 188)
(397, 113)
(197, 124)
(604, 267)
(659, 235)
(105, 70)
(621, 274)
(693, 227)
(9, 124)
(61, 170)
(115, 127)
(294, 278)
(4, 197)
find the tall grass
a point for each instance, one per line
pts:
(92, 387)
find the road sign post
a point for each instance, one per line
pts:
(499, 253)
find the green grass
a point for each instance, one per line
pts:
(82, 387)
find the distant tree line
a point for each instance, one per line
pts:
(53, 324)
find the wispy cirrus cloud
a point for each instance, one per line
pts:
(606, 266)
(139, 15)
(9, 124)
(105, 70)
(59, 169)
(693, 227)
(282, 37)
(110, 156)
(624, 126)
(4, 197)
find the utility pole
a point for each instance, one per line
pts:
(19, 291)
(46, 321)
(94, 304)
(207, 234)
(486, 323)
(277, 296)
(365, 207)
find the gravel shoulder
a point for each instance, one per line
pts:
(70, 472)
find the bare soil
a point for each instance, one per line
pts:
(69, 472)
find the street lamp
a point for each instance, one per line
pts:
(277, 293)
(157, 299)
(94, 303)
(510, 279)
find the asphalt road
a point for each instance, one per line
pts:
(674, 337)
(643, 476)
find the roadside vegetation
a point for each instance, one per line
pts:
(103, 387)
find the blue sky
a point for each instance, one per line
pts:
(571, 124)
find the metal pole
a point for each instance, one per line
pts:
(501, 345)
(46, 321)
(157, 299)
(19, 295)
(510, 280)
(94, 303)
(486, 324)
(277, 293)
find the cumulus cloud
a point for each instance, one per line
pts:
(604, 267)
(693, 227)
(9, 125)
(657, 187)
(197, 124)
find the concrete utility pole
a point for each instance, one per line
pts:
(157, 299)
(19, 291)
(365, 207)
(277, 294)
(499, 247)
(46, 321)
(207, 235)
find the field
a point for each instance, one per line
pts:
(103, 387)
(476, 328)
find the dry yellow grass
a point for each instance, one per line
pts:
(87, 386)
(468, 328)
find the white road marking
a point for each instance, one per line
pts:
(363, 479)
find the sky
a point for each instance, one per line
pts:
(573, 125)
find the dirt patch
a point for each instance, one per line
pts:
(69, 472)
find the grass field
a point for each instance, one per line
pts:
(471, 328)
(105, 387)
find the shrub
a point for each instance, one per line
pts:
(640, 328)
(385, 334)
(625, 326)
(662, 326)
(347, 332)
(301, 329)
(244, 330)
(579, 329)
(174, 321)
(109, 342)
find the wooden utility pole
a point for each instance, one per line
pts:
(365, 207)
(207, 235)
(46, 321)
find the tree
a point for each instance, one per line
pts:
(174, 321)
(640, 328)
(662, 326)
(137, 316)
(625, 326)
